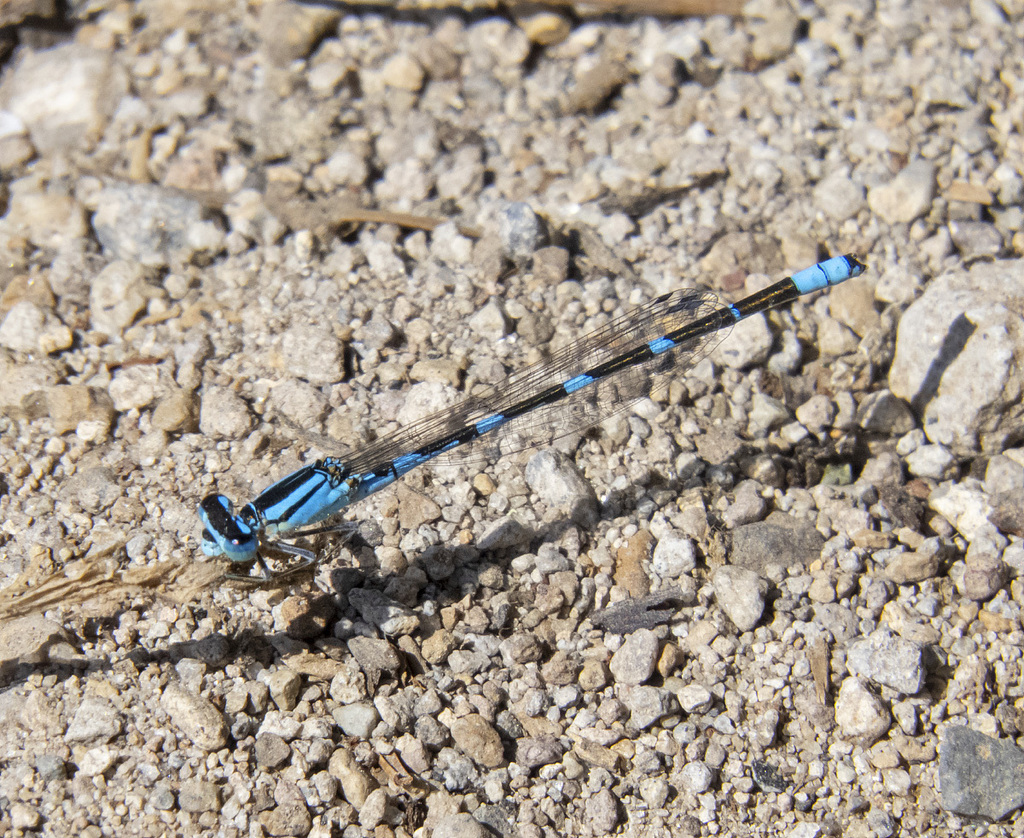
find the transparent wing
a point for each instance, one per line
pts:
(571, 412)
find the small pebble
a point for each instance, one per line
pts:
(740, 594)
(860, 714)
(520, 230)
(908, 195)
(635, 660)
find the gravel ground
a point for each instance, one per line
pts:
(782, 597)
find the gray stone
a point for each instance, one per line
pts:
(908, 195)
(374, 809)
(979, 775)
(357, 720)
(561, 485)
(694, 698)
(957, 361)
(431, 733)
(673, 556)
(860, 714)
(491, 322)
(965, 506)
(524, 647)
(153, 226)
(31, 328)
(397, 710)
(749, 345)
(460, 826)
(96, 721)
(747, 507)
(697, 777)
(65, 95)
(199, 796)
(602, 813)
(190, 672)
(838, 196)
(1004, 475)
(765, 414)
(883, 413)
(391, 617)
(97, 761)
(313, 353)
(533, 752)
(633, 663)
(51, 768)
(520, 230)
(888, 660)
(375, 655)
(932, 461)
(299, 402)
(223, 413)
(271, 750)
(816, 413)
(648, 705)
(654, 791)
(348, 685)
(162, 797)
(976, 239)
(780, 539)
(983, 577)
(135, 387)
(740, 593)
(504, 533)
(468, 661)
(93, 489)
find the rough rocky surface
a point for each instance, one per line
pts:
(781, 596)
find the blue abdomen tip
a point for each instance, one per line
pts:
(830, 272)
